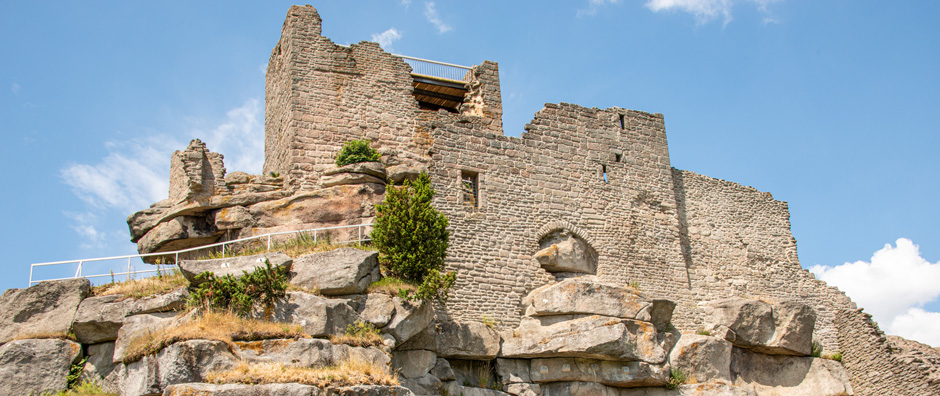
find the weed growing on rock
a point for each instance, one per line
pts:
(146, 287)
(703, 332)
(392, 286)
(356, 151)
(84, 388)
(837, 356)
(676, 378)
(816, 350)
(362, 334)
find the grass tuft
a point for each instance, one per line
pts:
(146, 287)
(837, 356)
(361, 334)
(816, 349)
(84, 388)
(676, 378)
(348, 373)
(392, 286)
(217, 326)
(300, 245)
(703, 332)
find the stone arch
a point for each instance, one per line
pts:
(565, 249)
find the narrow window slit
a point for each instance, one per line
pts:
(621, 121)
(604, 171)
(470, 187)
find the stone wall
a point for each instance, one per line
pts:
(551, 178)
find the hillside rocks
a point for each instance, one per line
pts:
(44, 308)
(282, 390)
(597, 337)
(702, 358)
(788, 375)
(785, 328)
(36, 366)
(306, 352)
(235, 266)
(100, 318)
(182, 362)
(337, 272)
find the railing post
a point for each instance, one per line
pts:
(314, 236)
(30, 275)
(269, 242)
(223, 250)
(128, 268)
(359, 240)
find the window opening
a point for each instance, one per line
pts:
(617, 157)
(621, 121)
(470, 187)
(604, 171)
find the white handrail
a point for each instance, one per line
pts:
(176, 253)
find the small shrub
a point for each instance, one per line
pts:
(75, 372)
(488, 322)
(356, 151)
(84, 388)
(265, 286)
(703, 332)
(412, 239)
(816, 349)
(676, 378)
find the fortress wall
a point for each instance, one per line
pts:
(552, 177)
(321, 95)
(738, 243)
(875, 369)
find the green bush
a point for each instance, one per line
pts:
(356, 151)
(676, 378)
(265, 286)
(412, 238)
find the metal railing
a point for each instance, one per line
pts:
(438, 70)
(130, 272)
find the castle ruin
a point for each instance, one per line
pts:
(584, 192)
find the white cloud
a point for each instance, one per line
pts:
(594, 5)
(16, 88)
(387, 38)
(263, 68)
(707, 10)
(240, 138)
(430, 12)
(406, 3)
(891, 286)
(917, 324)
(135, 173)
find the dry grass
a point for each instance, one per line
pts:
(218, 326)
(348, 373)
(391, 286)
(44, 335)
(86, 388)
(140, 288)
(302, 245)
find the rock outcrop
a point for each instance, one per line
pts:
(36, 366)
(46, 308)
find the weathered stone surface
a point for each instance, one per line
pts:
(702, 358)
(36, 366)
(564, 252)
(410, 319)
(180, 232)
(350, 178)
(519, 389)
(47, 307)
(336, 272)
(101, 369)
(319, 316)
(138, 325)
(232, 218)
(98, 319)
(512, 371)
(379, 308)
(659, 313)
(788, 375)
(235, 266)
(400, 173)
(793, 333)
(442, 370)
(457, 340)
(308, 352)
(621, 374)
(201, 389)
(426, 384)
(413, 364)
(182, 362)
(454, 389)
(172, 301)
(578, 296)
(376, 169)
(784, 329)
(593, 337)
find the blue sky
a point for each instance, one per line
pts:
(832, 106)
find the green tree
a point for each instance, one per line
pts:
(412, 238)
(356, 151)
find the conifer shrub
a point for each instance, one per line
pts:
(412, 239)
(356, 151)
(265, 286)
